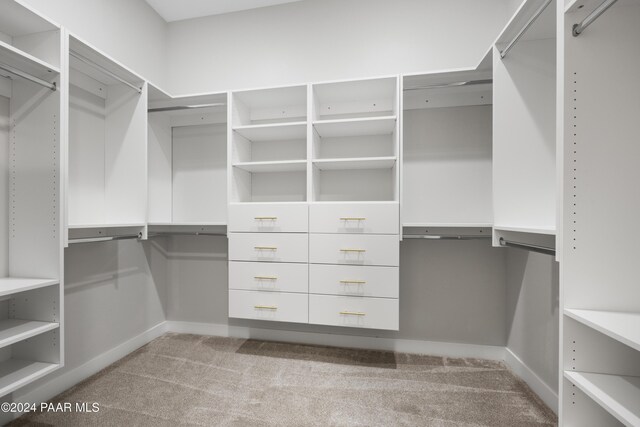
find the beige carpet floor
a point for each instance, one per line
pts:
(182, 379)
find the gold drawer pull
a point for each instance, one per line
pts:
(352, 250)
(265, 307)
(352, 218)
(265, 277)
(265, 248)
(358, 282)
(353, 313)
(266, 218)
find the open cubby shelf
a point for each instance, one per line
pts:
(12, 285)
(356, 127)
(621, 326)
(276, 166)
(273, 132)
(355, 163)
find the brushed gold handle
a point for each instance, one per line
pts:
(358, 282)
(352, 250)
(265, 307)
(265, 277)
(265, 248)
(352, 218)
(265, 218)
(353, 313)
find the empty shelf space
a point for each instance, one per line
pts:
(90, 226)
(618, 394)
(530, 230)
(273, 132)
(355, 127)
(356, 163)
(12, 285)
(14, 330)
(16, 373)
(621, 326)
(277, 166)
(16, 58)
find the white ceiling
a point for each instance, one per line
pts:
(174, 10)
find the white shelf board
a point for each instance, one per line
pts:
(16, 58)
(618, 394)
(188, 224)
(355, 163)
(16, 373)
(449, 224)
(542, 28)
(12, 285)
(15, 330)
(276, 166)
(356, 127)
(88, 226)
(273, 132)
(531, 230)
(621, 326)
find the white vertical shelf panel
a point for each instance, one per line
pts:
(160, 168)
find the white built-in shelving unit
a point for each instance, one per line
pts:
(600, 329)
(31, 255)
(187, 154)
(524, 133)
(107, 154)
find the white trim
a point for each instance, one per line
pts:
(539, 387)
(350, 341)
(68, 379)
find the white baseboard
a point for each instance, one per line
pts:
(333, 340)
(66, 380)
(539, 387)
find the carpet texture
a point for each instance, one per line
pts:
(181, 379)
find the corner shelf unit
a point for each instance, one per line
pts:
(187, 155)
(107, 177)
(600, 296)
(31, 241)
(524, 116)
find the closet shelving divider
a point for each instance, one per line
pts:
(524, 116)
(600, 296)
(187, 152)
(107, 155)
(32, 123)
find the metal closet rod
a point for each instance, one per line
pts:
(185, 107)
(527, 246)
(137, 236)
(579, 28)
(105, 71)
(444, 237)
(524, 29)
(9, 69)
(454, 84)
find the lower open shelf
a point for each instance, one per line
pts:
(618, 394)
(16, 373)
(15, 330)
(621, 326)
(13, 285)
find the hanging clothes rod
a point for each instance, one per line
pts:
(579, 28)
(444, 237)
(104, 71)
(455, 84)
(524, 29)
(185, 107)
(527, 246)
(105, 238)
(9, 69)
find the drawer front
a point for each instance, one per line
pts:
(268, 218)
(357, 312)
(268, 247)
(353, 249)
(354, 280)
(274, 306)
(364, 218)
(268, 276)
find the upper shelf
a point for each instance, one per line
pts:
(544, 26)
(530, 230)
(273, 131)
(623, 327)
(356, 127)
(10, 55)
(355, 163)
(275, 166)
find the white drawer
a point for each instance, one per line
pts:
(362, 218)
(270, 218)
(270, 247)
(268, 276)
(354, 249)
(354, 280)
(357, 312)
(275, 306)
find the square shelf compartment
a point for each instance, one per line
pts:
(268, 106)
(270, 142)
